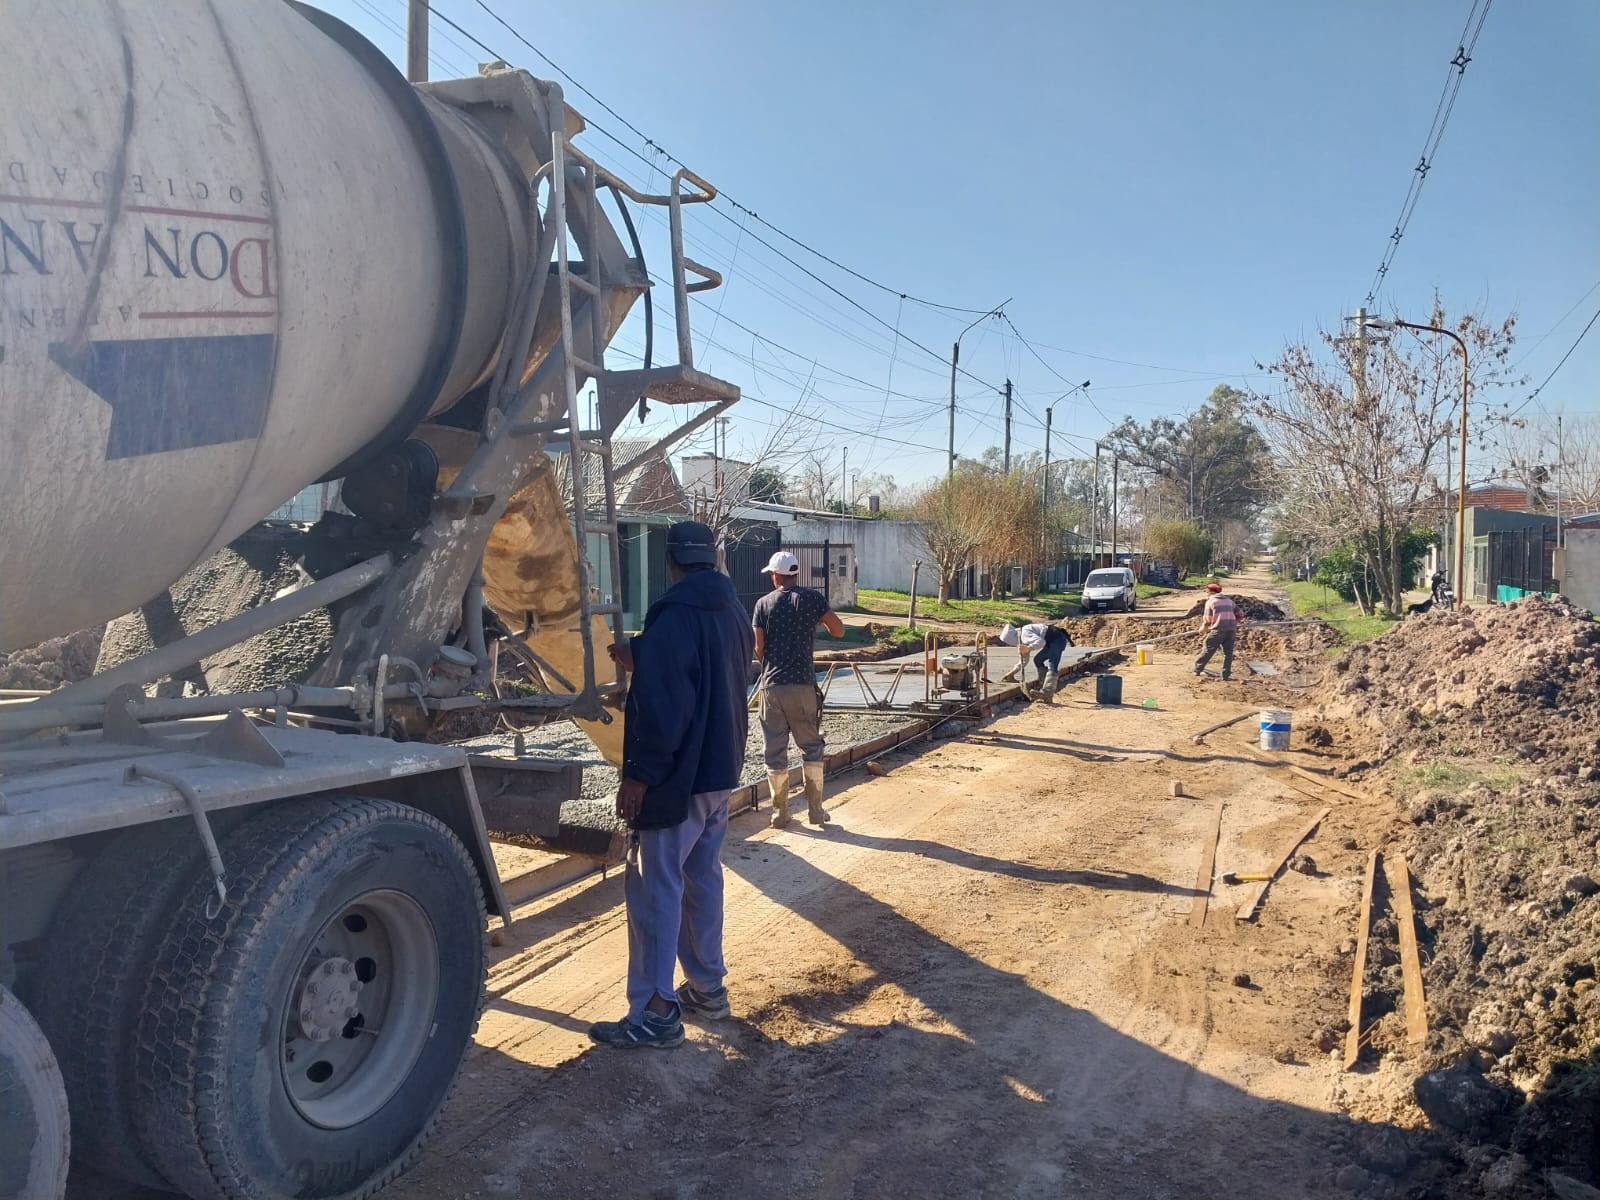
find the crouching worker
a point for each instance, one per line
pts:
(785, 624)
(1044, 643)
(682, 753)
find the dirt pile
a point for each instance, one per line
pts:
(1522, 679)
(1492, 717)
(1265, 642)
(1252, 608)
(52, 662)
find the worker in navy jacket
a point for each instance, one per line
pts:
(683, 751)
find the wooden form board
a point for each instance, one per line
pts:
(1248, 908)
(1399, 876)
(1352, 1039)
(1208, 866)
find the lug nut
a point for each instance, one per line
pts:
(305, 1017)
(351, 1013)
(311, 989)
(345, 966)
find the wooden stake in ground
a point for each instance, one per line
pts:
(1410, 960)
(1201, 736)
(1202, 881)
(1352, 1039)
(1248, 908)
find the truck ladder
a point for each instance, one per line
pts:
(616, 392)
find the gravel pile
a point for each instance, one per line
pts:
(53, 662)
(594, 806)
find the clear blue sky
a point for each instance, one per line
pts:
(1180, 186)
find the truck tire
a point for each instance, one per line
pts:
(91, 985)
(304, 1041)
(34, 1128)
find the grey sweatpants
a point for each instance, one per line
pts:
(673, 888)
(791, 708)
(1220, 638)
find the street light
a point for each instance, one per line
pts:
(955, 360)
(1044, 504)
(1379, 323)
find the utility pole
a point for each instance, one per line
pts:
(1466, 388)
(1044, 503)
(1094, 514)
(955, 363)
(844, 476)
(1008, 428)
(417, 41)
(1115, 463)
(1560, 453)
(1444, 516)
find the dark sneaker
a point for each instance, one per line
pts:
(713, 1006)
(661, 1032)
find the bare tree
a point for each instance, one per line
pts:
(1551, 458)
(774, 449)
(1360, 467)
(952, 523)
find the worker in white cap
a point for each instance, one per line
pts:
(786, 621)
(1044, 643)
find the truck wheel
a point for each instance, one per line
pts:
(33, 1109)
(91, 985)
(304, 1042)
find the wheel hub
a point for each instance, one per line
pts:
(328, 999)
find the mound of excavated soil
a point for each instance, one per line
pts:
(52, 662)
(1252, 608)
(1251, 642)
(1495, 715)
(1522, 678)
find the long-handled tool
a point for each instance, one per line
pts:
(1245, 876)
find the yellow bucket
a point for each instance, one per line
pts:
(1144, 653)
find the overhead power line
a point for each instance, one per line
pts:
(1534, 395)
(748, 212)
(1430, 146)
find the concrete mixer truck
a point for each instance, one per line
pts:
(243, 896)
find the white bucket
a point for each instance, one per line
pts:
(1275, 728)
(1144, 653)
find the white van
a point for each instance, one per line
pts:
(1108, 588)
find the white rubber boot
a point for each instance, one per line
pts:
(778, 781)
(815, 813)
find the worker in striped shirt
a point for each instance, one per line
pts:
(1219, 623)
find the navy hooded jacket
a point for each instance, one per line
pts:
(687, 712)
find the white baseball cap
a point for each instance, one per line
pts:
(1008, 635)
(782, 563)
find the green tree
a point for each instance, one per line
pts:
(1214, 462)
(1181, 543)
(768, 484)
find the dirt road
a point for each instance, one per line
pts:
(981, 980)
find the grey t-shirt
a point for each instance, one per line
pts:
(787, 618)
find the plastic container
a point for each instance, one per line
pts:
(1108, 689)
(1275, 724)
(1144, 653)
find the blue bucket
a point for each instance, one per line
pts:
(1108, 689)
(1275, 724)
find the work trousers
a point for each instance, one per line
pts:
(1048, 657)
(791, 709)
(1220, 638)
(673, 887)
